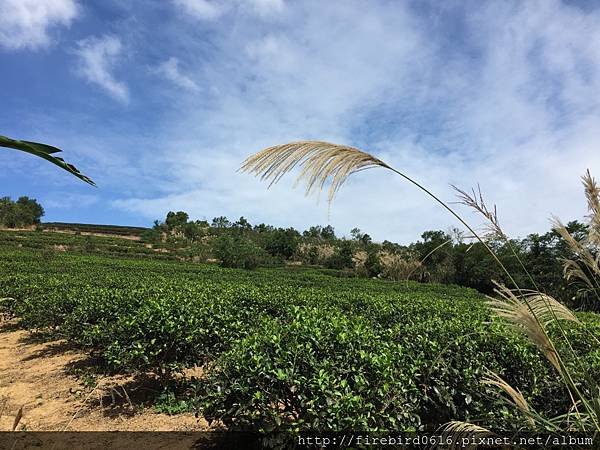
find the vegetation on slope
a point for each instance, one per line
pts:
(285, 348)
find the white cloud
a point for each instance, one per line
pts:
(26, 23)
(202, 9)
(267, 7)
(508, 96)
(98, 57)
(170, 70)
(209, 10)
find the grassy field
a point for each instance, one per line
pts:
(280, 348)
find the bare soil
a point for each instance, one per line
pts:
(41, 377)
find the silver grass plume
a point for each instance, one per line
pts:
(319, 162)
(493, 379)
(592, 194)
(530, 313)
(463, 435)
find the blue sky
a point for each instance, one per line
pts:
(160, 101)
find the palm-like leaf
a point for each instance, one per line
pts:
(46, 152)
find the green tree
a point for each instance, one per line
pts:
(220, 222)
(24, 212)
(29, 211)
(176, 220)
(238, 252)
(342, 258)
(373, 264)
(7, 213)
(282, 242)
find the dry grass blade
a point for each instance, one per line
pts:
(319, 161)
(463, 435)
(530, 313)
(592, 193)
(18, 418)
(519, 401)
(573, 271)
(4, 401)
(476, 202)
(578, 248)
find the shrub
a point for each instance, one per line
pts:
(319, 371)
(281, 243)
(342, 258)
(238, 252)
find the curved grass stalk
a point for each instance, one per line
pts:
(321, 162)
(427, 256)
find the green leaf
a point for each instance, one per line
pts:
(44, 151)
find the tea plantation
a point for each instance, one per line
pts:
(286, 348)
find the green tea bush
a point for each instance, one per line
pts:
(319, 371)
(288, 348)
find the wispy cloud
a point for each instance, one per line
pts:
(202, 9)
(67, 200)
(267, 7)
(210, 10)
(505, 100)
(506, 94)
(98, 56)
(171, 71)
(27, 23)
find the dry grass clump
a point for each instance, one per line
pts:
(360, 258)
(398, 268)
(315, 253)
(3, 406)
(517, 397)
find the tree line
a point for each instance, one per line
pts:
(439, 256)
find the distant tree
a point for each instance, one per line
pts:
(313, 232)
(192, 231)
(361, 237)
(7, 212)
(373, 264)
(391, 247)
(342, 258)
(436, 252)
(474, 268)
(220, 222)
(176, 220)
(238, 252)
(242, 224)
(328, 233)
(24, 212)
(366, 239)
(263, 228)
(29, 211)
(282, 242)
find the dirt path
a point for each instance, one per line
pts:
(39, 375)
